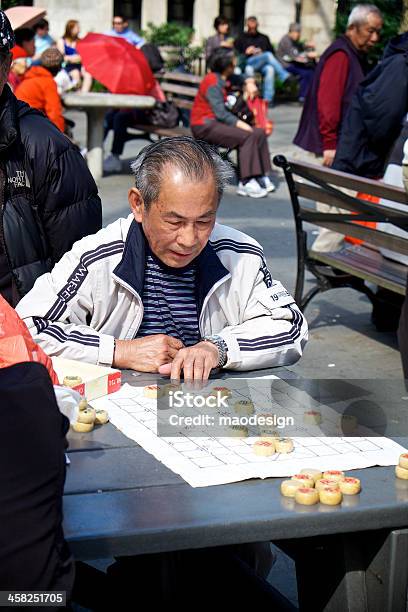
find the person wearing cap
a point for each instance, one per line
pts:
(39, 88)
(297, 58)
(25, 43)
(38, 164)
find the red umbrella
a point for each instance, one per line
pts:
(116, 63)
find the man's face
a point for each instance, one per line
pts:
(364, 37)
(43, 32)
(294, 35)
(29, 47)
(178, 225)
(252, 25)
(119, 24)
(5, 63)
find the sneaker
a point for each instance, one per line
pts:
(112, 164)
(267, 184)
(252, 189)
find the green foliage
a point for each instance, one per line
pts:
(176, 36)
(98, 87)
(392, 11)
(6, 4)
(168, 34)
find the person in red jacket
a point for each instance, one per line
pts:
(39, 89)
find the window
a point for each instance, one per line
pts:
(131, 10)
(180, 11)
(234, 11)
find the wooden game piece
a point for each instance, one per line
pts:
(401, 472)
(334, 475)
(72, 381)
(312, 417)
(403, 460)
(307, 496)
(82, 427)
(330, 496)
(305, 480)
(264, 448)
(350, 486)
(244, 407)
(347, 423)
(83, 404)
(283, 445)
(153, 391)
(221, 392)
(315, 474)
(101, 417)
(326, 482)
(86, 416)
(288, 488)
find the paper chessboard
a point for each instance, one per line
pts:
(207, 460)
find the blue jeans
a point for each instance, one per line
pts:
(267, 64)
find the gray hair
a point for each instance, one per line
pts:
(195, 158)
(360, 12)
(295, 27)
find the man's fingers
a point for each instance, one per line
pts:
(165, 369)
(188, 368)
(198, 370)
(176, 366)
(207, 371)
(172, 352)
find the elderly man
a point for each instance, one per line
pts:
(258, 52)
(297, 58)
(338, 74)
(168, 289)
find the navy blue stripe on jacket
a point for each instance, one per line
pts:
(263, 343)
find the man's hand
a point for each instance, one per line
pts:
(146, 354)
(250, 50)
(328, 157)
(196, 362)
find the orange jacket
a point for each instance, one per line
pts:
(39, 90)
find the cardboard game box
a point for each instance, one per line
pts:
(97, 381)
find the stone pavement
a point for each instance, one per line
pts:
(343, 343)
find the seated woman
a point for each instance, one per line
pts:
(212, 122)
(73, 63)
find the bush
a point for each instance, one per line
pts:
(177, 36)
(392, 11)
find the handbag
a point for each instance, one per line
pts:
(164, 114)
(237, 105)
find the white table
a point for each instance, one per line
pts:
(95, 105)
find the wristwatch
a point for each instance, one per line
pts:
(221, 346)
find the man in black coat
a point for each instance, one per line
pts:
(48, 198)
(376, 114)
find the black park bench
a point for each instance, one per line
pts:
(354, 265)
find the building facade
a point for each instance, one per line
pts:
(317, 16)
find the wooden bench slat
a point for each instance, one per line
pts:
(191, 92)
(311, 192)
(367, 264)
(180, 76)
(367, 234)
(342, 179)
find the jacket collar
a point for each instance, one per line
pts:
(131, 268)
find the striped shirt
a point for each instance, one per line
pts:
(169, 301)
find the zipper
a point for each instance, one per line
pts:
(136, 295)
(14, 279)
(207, 297)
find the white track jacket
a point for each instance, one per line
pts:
(93, 295)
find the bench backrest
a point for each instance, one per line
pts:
(321, 184)
(179, 87)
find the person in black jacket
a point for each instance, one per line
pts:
(375, 118)
(48, 198)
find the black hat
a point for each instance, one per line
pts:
(7, 40)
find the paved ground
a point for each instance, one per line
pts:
(343, 342)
